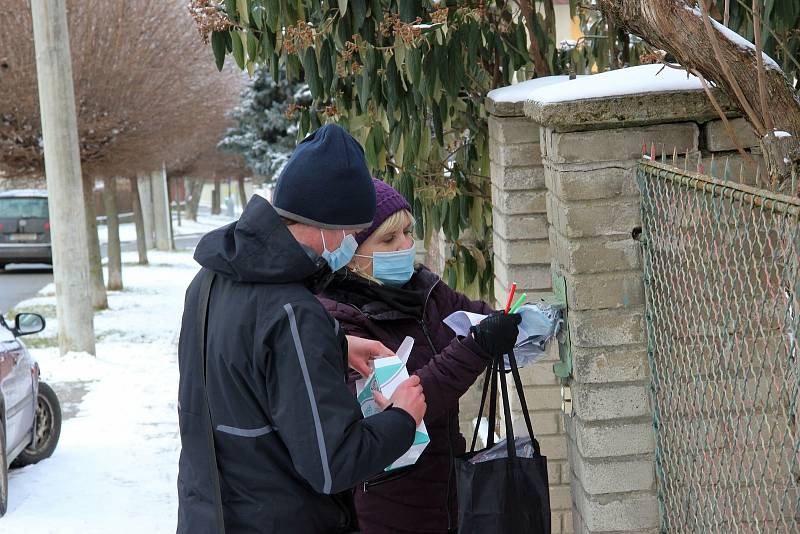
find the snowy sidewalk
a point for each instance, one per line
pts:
(205, 222)
(115, 467)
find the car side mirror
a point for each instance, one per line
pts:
(28, 323)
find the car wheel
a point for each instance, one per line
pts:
(48, 428)
(3, 472)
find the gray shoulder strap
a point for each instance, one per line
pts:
(205, 294)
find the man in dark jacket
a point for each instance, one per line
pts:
(280, 435)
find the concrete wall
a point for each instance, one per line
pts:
(565, 201)
(593, 207)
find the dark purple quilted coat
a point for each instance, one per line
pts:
(423, 499)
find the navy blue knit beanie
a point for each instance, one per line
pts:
(326, 182)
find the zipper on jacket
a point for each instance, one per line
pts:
(427, 335)
(382, 479)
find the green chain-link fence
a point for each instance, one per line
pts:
(722, 283)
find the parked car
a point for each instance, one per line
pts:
(30, 414)
(24, 227)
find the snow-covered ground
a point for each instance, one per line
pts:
(115, 467)
(204, 223)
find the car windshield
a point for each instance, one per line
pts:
(20, 207)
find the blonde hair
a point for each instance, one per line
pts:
(398, 220)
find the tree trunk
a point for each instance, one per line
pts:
(216, 208)
(613, 51)
(161, 214)
(112, 224)
(146, 202)
(138, 221)
(625, 41)
(98, 287)
(63, 171)
(242, 193)
(180, 185)
(195, 194)
(681, 31)
(540, 65)
(169, 215)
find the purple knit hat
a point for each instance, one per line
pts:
(387, 201)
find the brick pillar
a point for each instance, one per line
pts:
(522, 255)
(593, 206)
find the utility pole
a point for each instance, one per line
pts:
(63, 172)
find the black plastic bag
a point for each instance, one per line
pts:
(508, 494)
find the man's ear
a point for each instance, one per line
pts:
(307, 236)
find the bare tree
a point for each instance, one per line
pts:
(206, 164)
(718, 55)
(144, 88)
(143, 83)
(214, 166)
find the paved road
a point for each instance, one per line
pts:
(17, 284)
(20, 282)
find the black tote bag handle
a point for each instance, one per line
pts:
(511, 444)
(493, 371)
(486, 378)
(512, 360)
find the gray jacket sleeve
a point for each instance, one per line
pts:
(331, 444)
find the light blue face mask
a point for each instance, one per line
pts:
(341, 256)
(394, 268)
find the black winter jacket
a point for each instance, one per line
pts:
(290, 439)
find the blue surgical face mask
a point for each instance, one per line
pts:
(341, 256)
(394, 268)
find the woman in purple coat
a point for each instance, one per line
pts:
(383, 296)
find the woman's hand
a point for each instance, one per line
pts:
(497, 333)
(360, 352)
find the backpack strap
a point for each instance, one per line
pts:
(205, 294)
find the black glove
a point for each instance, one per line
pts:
(497, 333)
